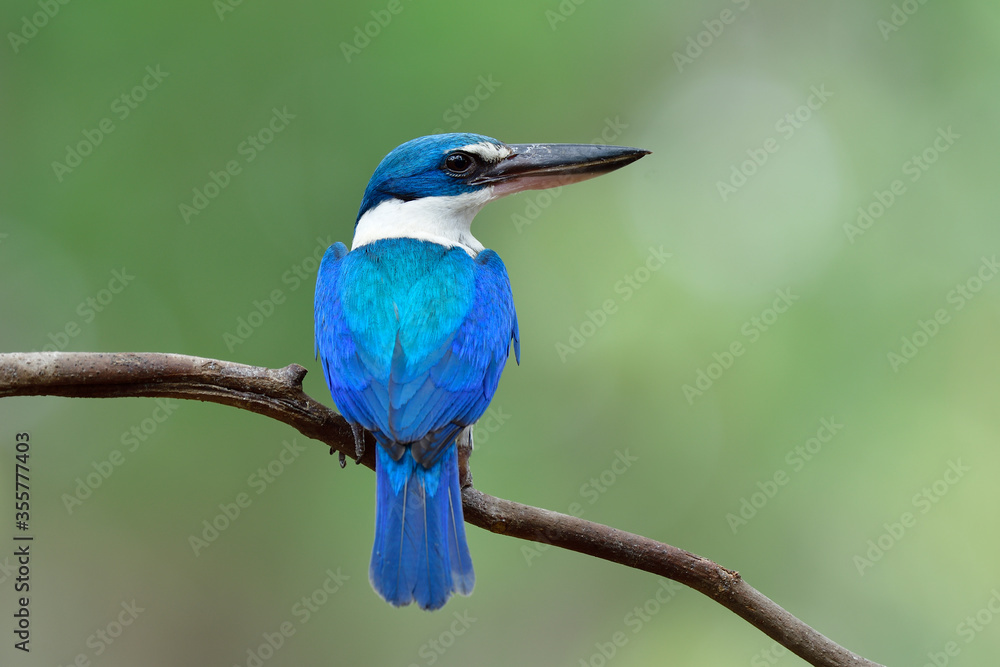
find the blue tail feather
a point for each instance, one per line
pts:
(420, 553)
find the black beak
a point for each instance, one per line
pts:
(536, 166)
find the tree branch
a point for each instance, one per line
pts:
(277, 393)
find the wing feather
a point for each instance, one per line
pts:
(413, 338)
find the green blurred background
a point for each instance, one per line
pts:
(706, 87)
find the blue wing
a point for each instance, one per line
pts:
(413, 338)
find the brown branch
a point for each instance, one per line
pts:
(277, 393)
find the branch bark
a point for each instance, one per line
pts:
(277, 393)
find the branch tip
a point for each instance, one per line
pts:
(293, 374)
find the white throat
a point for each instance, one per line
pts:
(446, 221)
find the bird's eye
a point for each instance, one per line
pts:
(459, 164)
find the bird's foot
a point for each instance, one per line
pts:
(359, 441)
(464, 438)
(464, 445)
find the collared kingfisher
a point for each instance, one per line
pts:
(413, 327)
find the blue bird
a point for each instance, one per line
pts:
(414, 326)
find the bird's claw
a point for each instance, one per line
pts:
(464, 438)
(359, 441)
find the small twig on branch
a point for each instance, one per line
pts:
(277, 393)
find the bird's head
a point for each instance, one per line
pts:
(431, 187)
